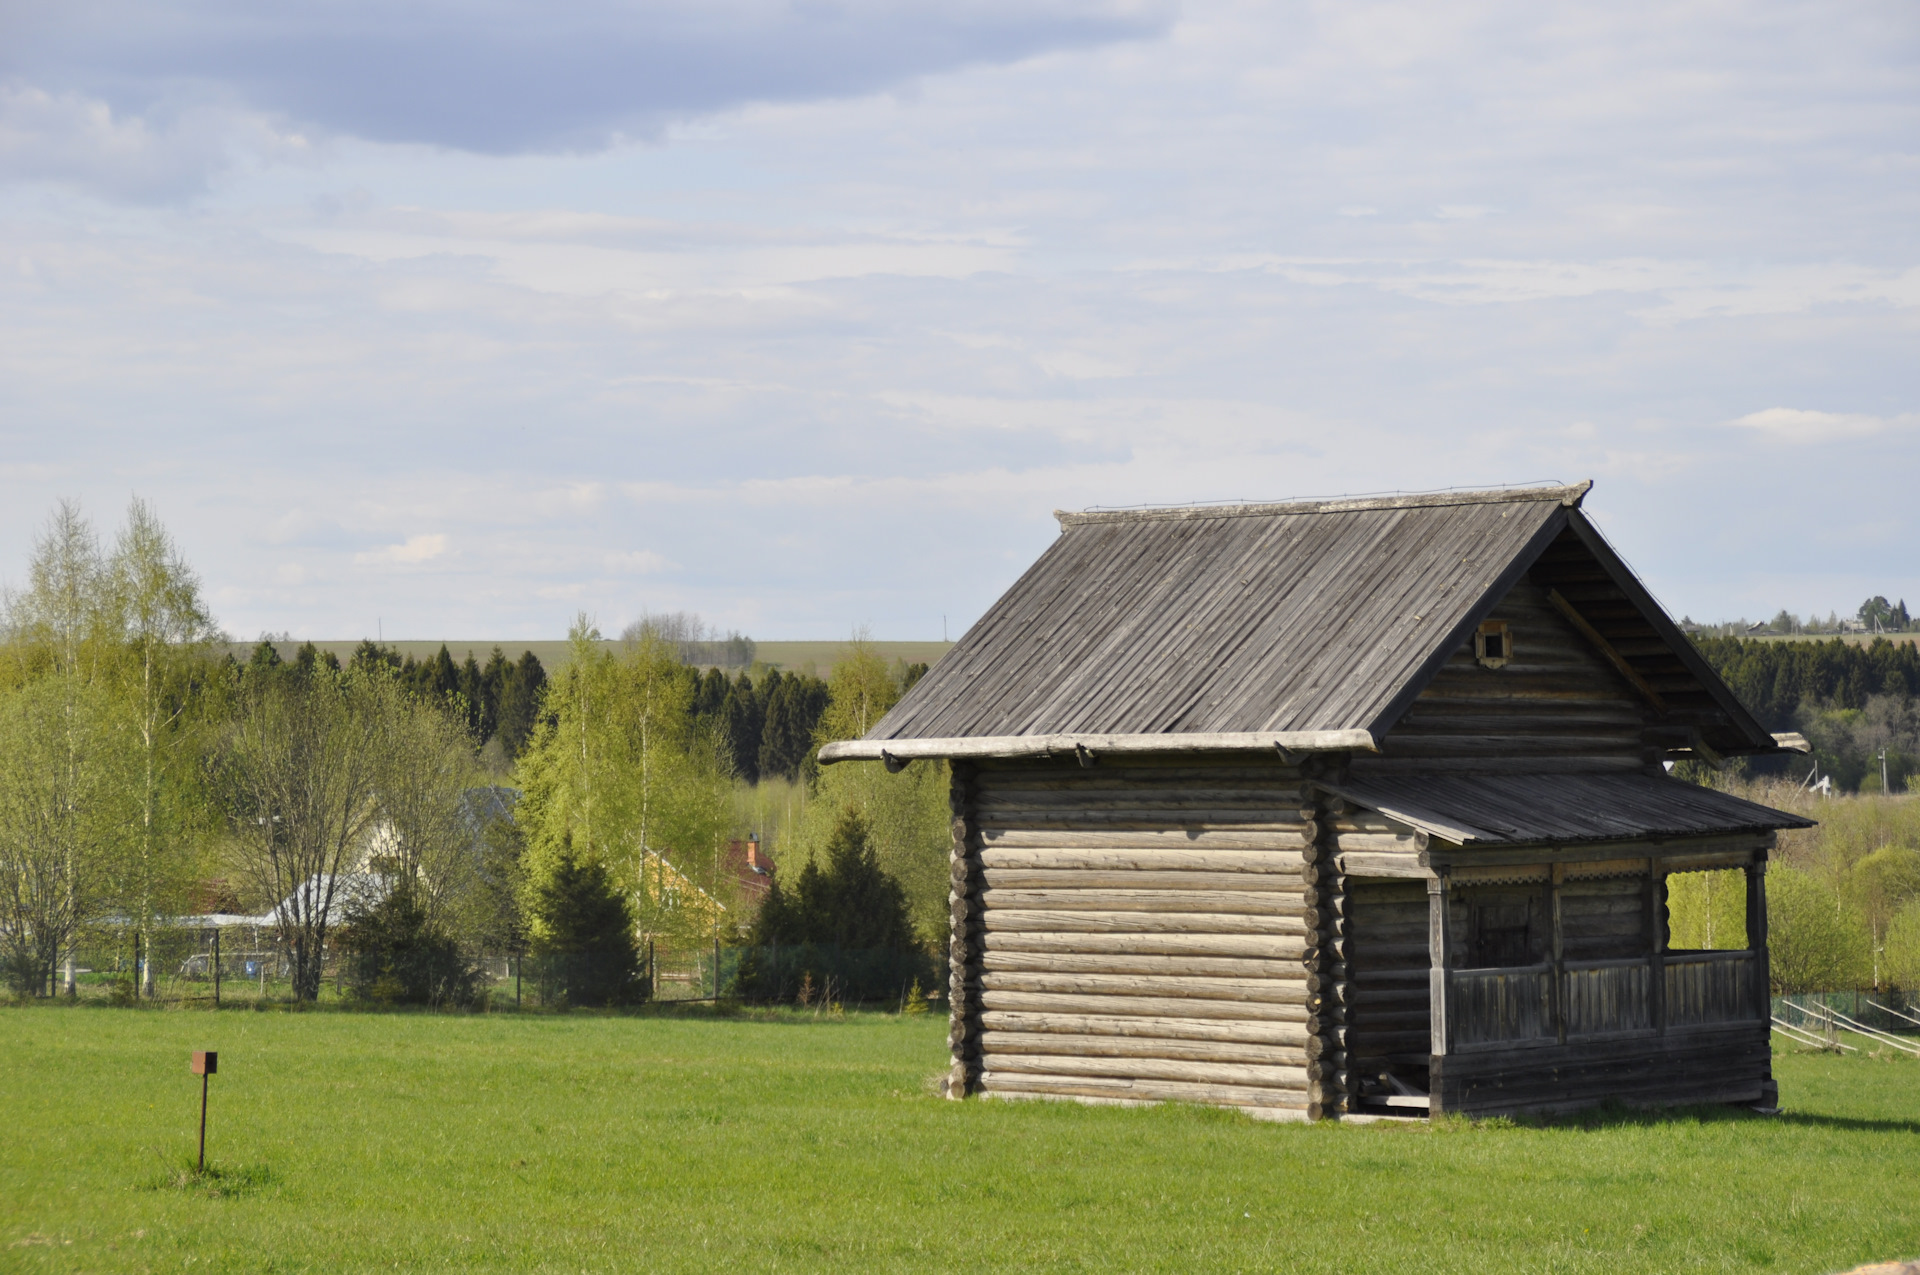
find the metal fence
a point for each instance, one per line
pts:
(187, 966)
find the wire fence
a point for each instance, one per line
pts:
(186, 966)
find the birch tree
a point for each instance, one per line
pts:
(62, 789)
(61, 630)
(621, 774)
(167, 629)
(298, 773)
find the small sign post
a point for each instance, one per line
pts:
(203, 1063)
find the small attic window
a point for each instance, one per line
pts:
(1493, 645)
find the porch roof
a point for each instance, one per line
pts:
(1530, 808)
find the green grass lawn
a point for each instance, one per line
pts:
(356, 1141)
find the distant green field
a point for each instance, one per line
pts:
(520, 1143)
(793, 657)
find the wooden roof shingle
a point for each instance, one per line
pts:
(1305, 625)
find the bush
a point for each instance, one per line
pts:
(395, 954)
(584, 949)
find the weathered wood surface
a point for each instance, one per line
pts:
(1265, 990)
(1149, 1027)
(1123, 1047)
(997, 1082)
(1167, 858)
(1558, 702)
(1606, 998)
(1144, 1068)
(1164, 966)
(1002, 837)
(1116, 922)
(1217, 902)
(1096, 879)
(1146, 1006)
(1268, 946)
(1724, 1064)
(1498, 1006)
(1710, 987)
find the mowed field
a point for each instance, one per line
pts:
(651, 1142)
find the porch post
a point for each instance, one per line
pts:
(1757, 937)
(1657, 932)
(1557, 984)
(1439, 961)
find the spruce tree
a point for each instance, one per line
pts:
(520, 703)
(742, 720)
(584, 934)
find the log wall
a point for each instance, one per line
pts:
(1557, 705)
(1146, 929)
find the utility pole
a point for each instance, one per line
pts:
(1883, 773)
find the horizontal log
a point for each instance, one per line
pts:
(1101, 879)
(1131, 822)
(1140, 922)
(1291, 1035)
(1001, 838)
(1145, 1006)
(1165, 744)
(1140, 963)
(1265, 946)
(1237, 775)
(1127, 859)
(1145, 1090)
(1174, 1069)
(1267, 991)
(1407, 843)
(1392, 863)
(1057, 1044)
(1280, 805)
(1218, 901)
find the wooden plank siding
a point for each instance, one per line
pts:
(1144, 929)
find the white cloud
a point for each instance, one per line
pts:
(421, 548)
(1792, 425)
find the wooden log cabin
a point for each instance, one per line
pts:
(1342, 808)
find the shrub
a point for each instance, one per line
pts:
(397, 955)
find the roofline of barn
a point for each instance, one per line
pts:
(1570, 496)
(898, 752)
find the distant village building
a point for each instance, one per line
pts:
(1340, 808)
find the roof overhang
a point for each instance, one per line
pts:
(897, 752)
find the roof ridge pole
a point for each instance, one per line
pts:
(1569, 496)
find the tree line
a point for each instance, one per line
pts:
(147, 774)
(1851, 702)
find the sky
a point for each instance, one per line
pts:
(458, 319)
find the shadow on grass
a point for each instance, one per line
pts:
(1616, 1115)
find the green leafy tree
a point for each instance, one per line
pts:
(622, 774)
(65, 777)
(65, 628)
(1902, 956)
(1815, 942)
(906, 813)
(1707, 910)
(298, 774)
(169, 633)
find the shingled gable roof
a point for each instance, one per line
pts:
(1306, 626)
